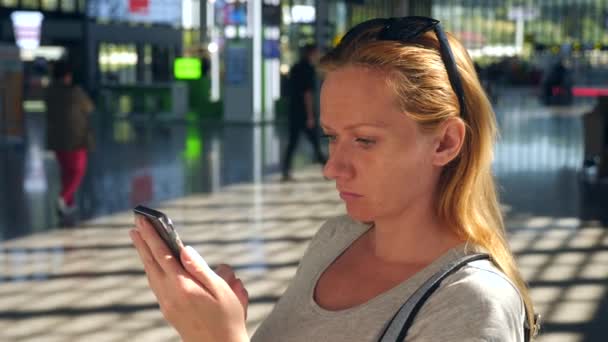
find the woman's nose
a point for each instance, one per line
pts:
(337, 166)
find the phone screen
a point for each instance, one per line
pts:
(164, 227)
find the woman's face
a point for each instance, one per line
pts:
(379, 158)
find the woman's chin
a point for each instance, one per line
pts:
(359, 215)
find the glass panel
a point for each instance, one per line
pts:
(160, 64)
(33, 4)
(147, 65)
(9, 3)
(68, 5)
(117, 63)
(50, 5)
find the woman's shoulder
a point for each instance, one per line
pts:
(482, 278)
(477, 300)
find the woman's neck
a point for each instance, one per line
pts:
(416, 236)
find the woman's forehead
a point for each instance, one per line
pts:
(359, 94)
(356, 76)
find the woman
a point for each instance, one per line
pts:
(410, 152)
(69, 135)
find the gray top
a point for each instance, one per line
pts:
(477, 303)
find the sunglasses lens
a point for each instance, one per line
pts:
(357, 31)
(406, 29)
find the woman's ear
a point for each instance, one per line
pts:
(449, 141)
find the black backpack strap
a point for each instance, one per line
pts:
(402, 321)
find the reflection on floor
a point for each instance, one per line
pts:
(87, 283)
(136, 160)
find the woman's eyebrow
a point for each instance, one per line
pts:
(357, 125)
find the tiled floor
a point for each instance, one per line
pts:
(87, 283)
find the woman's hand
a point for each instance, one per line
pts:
(227, 273)
(197, 302)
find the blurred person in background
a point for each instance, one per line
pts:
(302, 119)
(595, 130)
(68, 135)
(486, 81)
(557, 86)
(411, 135)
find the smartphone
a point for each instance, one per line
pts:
(164, 227)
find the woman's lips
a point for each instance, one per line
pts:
(349, 195)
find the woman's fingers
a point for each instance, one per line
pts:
(200, 270)
(157, 247)
(241, 293)
(145, 255)
(226, 273)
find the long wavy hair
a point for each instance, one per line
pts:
(466, 189)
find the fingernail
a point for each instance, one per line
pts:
(193, 254)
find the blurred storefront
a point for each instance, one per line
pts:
(221, 28)
(116, 47)
(503, 27)
(538, 32)
(131, 48)
(122, 53)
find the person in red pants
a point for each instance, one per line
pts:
(68, 134)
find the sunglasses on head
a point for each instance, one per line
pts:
(406, 30)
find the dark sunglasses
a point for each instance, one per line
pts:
(406, 30)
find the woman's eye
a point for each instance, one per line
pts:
(329, 137)
(365, 142)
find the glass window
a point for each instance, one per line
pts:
(33, 4)
(147, 65)
(68, 5)
(160, 64)
(117, 63)
(82, 4)
(50, 5)
(9, 3)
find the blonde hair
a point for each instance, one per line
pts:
(467, 192)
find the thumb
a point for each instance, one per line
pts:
(198, 267)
